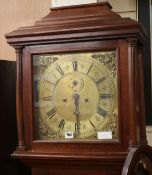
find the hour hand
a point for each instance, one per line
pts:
(76, 102)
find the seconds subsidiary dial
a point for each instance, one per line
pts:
(76, 94)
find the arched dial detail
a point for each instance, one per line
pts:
(78, 93)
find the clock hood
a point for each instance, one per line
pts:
(75, 23)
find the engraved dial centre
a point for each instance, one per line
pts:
(81, 85)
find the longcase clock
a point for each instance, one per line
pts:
(80, 98)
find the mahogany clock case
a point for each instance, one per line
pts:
(72, 30)
(76, 151)
(85, 150)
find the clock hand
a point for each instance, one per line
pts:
(74, 84)
(77, 113)
(76, 98)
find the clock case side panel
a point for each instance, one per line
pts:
(142, 121)
(28, 98)
(132, 56)
(61, 148)
(123, 84)
(136, 93)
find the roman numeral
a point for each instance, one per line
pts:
(49, 98)
(61, 124)
(77, 127)
(105, 96)
(101, 112)
(75, 65)
(60, 70)
(101, 80)
(90, 68)
(51, 113)
(92, 124)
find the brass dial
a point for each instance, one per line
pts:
(78, 93)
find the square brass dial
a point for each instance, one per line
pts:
(75, 96)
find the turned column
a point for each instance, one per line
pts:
(19, 100)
